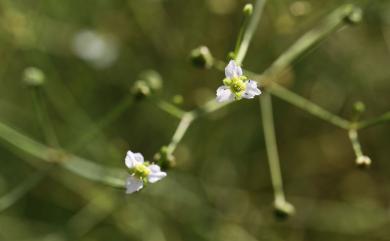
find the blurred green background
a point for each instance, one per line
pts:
(93, 51)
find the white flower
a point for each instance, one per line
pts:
(236, 85)
(141, 172)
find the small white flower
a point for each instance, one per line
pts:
(236, 85)
(141, 172)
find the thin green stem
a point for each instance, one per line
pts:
(248, 34)
(110, 117)
(18, 192)
(354, 137)
(43, 117)
(181, 129)
(169, 108)
(375, 121)
(271, 146)
(75, 164)
(304, 104)
(336, 20)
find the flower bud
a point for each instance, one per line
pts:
(201, 57)
(354, 15)
(363, 161)
(149, 81)
(152, 78)
(165, 159)
(248, 9)
(140, 89)
(33, 77)
(283, 209)
(359, 107)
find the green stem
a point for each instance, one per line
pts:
(337, 19)
(75, 164)
(43, 117)
(375, 121)
(102, 123)
(169, 108)
(307, 105)
(354, 137)
(181, 129)
(248, 34)
(271, 146)
(18, 192)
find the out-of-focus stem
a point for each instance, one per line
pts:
(102, 123)
(18, 192)
(43, 116)
(169, 108)
(73, 163)
(375, 121)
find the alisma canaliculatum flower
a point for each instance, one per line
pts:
(141, 172)
(236, 85)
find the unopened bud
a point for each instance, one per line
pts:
(140, 89)
(248, 9)
(152, 78)
(359, 107)
(165, 159)
(202, 58)
(363, 161)
(33, 76)
(283, 209)
(354, 15)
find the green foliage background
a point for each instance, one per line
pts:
(220, 189)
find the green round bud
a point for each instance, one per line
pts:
(231, 55)
(283, 209)
(33, 76)
(177, 99)
(201, 57)
(152, 78)
(359, 107)
(165, 159)
(248, 9)
(363, 161)
(140, 89)
(354, 15)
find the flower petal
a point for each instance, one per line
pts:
(251, 90)
(232, 70)
(139, 157)
(224, 94)
(133, 184)
(156, 173)
(133, 158)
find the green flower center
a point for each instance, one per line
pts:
(236, 85)
(141, 171)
